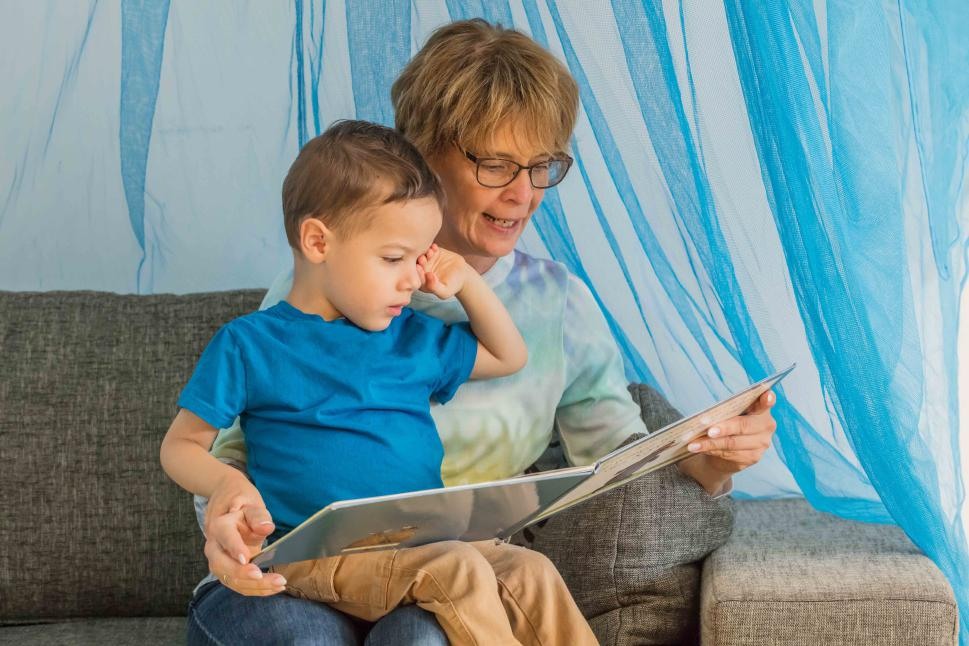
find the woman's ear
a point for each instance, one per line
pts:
(314, 239)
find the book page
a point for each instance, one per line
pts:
(471, 512)
(661, 448)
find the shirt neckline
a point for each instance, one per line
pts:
(289, 311)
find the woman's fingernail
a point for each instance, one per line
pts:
(242, 559)
(694, 447)
(713, 432)
(280, 581)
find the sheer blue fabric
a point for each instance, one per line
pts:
(755, 184)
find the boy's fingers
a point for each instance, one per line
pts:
(224, 532)
(258, 519)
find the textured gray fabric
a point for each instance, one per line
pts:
(793, 575)
(152, 631)
(630, 556)
(91, 525)
(92, 528)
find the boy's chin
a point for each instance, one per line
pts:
(374, 325)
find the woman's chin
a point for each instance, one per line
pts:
(497, 243)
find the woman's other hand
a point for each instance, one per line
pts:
(732, 445)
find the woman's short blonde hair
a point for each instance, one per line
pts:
(472, 78)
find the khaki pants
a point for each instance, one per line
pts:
(483, 593)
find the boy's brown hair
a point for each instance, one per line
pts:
(353, 167)
(471, 78)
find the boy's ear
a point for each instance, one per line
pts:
(314, 239)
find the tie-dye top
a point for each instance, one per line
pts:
(573, 385)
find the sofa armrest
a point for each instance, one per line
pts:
(793, 575)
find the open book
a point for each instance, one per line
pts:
(494, 509)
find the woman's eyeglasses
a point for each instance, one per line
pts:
(495, 173)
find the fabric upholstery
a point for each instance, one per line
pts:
(91, 526)
(145, 631)
(635, 571)
(93, 530)
(793, 575)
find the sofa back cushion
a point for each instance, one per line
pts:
(89, 523)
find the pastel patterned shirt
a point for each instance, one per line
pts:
(573, 385)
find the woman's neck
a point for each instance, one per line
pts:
(480, 264)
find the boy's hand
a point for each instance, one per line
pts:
(444, 272)
(236, 524)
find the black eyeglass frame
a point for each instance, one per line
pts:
(477, 168)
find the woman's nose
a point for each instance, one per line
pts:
(520, 190)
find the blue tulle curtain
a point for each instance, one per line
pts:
(755, 184)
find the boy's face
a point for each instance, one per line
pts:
(372, 274)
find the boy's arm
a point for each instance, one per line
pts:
(501, 348)
(186, 459)
(236, 535)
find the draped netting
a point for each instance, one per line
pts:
(756, 183)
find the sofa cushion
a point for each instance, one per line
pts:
(631, 556)
(793, 575)
(91, 526)
(148, 631)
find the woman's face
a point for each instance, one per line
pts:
(483, 224)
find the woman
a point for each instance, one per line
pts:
(493, 113)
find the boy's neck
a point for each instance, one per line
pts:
(307, 295)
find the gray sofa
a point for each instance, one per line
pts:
(98, 547)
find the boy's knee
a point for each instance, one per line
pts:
(453, 558)
(534, 567)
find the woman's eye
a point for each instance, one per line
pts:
(393, 258)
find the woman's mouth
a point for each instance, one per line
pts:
(504, 224)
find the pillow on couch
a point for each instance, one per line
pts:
(631, 557)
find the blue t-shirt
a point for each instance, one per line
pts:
(331, 411)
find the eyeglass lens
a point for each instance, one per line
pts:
(495, 173)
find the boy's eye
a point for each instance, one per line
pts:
(393, 258)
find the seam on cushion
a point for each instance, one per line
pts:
(615, 559)
(845, 600)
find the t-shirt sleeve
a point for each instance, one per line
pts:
(457, 348)
(596, 413)
(216, 391)
(230, 442)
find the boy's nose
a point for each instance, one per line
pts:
(412, 280)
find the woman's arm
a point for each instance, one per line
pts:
(501, 349)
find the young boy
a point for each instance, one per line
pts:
(333, 385)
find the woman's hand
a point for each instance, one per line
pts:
(732, 445)
(236, 524)
(443, 272)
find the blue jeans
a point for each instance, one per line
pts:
(217, 615)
